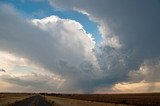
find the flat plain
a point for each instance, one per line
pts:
(136, 99)
(11, 98)
(53, 99)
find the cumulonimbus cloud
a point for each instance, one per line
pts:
(130, 32)
(59, 45)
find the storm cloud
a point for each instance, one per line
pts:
(58, 45)
(130, 32)
(130, 42)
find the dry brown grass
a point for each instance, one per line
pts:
(59, 101)
(141, 99)
(11, 98)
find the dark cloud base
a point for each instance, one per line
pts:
(135, 23)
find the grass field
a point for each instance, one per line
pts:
(59, 101)
(10, 98)
(140, 99)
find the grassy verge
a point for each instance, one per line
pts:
(11, 99)
(58, 101)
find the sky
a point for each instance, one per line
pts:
(80, 46)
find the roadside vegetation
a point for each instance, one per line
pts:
(60, 101)
(138, 99)
(9, 99)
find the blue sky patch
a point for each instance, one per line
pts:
(44, 9)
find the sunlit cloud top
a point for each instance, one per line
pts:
(80, 46)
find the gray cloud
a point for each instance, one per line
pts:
(2, 70)
(60, 46)
(32, 83)
(136, 25)
(130, 31)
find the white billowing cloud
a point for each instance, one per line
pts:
(127, 20)
(109, 38)
(59, 47)
(66, 30)
(85, 8)
(130, 32)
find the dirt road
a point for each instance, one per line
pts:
(33, 101)
(58, 101)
